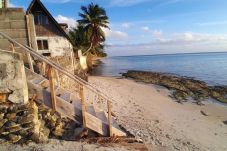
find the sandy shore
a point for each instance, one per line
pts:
(149, 113)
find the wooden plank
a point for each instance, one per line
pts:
(90, 109)
(109, 105)
(12, 47)
(98, 126)
(29, 42)
(52, 89)
(81, 91)
(62, 106)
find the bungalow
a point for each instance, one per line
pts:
(50, 36)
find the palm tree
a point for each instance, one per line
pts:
(93, 19)
(78, 37)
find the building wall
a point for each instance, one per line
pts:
(13, 24)
(58, 45)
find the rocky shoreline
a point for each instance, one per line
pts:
(183, 88)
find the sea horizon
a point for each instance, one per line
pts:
(169, 54)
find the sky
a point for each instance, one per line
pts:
(144, 27)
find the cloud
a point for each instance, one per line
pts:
(186, 42)
(154, 33)
(115, 34)
(126, 25)
(125, 3)
(214, 23)
(12, 5)
(58, 1)
(70, 21)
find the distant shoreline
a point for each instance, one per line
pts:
(170, 54)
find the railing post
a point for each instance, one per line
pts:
(109, 105)
(30, 62)
(52, 88)
(81, 93)
(12, 47)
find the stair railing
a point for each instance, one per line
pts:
(82, 83)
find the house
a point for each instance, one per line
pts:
(50, 36)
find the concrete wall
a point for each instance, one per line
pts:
(12, 23)
(58, 46)
(12, 77)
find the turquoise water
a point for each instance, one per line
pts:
(208, 67)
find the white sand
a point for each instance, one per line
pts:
(148, 112)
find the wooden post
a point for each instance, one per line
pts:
(12, 47)
(5, 3)
(83, 105)
(29, 42)
(52, 88)
(57, 77)
(109, 105)
(30, 62)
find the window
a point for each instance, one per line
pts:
(41, 19)
(42, 44)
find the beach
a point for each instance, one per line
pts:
(149, 113)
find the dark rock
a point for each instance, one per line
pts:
(183, 87)
(203, 113)
(225, 122)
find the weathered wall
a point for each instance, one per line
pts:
(58, 46)
(13, 23)
(12, 77)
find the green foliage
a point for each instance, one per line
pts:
(89, 35)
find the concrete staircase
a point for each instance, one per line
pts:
(69, 105)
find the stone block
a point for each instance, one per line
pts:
(13, 78)
(15, 33)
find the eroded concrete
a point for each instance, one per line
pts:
(12, 77)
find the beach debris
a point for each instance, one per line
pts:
(203, 113)
(182, 88)
(225, 122)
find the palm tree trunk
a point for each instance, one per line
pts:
(88, 49)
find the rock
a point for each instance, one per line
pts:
(11, 116)
(14, 138)
(203, 113)
(78, 131)
(225, 122)
(12, 77)
(183, 87)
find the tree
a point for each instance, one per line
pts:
(93, 19)
(78, 37)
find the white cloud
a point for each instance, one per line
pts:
(145, 28)
(115, 34)
(126, 25)
(186, 42)
(12, 5)
(124, 3)
(70, 21)
(58, 1)
(214, 23)
(154, 33)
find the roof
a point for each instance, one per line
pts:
(49, 15)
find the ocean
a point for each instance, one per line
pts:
(208, 67)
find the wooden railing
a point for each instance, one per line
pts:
(54, 66)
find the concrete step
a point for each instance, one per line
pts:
(14, 33)
(13, 24)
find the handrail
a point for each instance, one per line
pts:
(58, 67)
